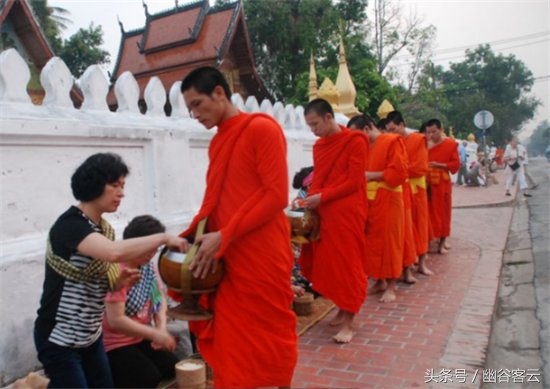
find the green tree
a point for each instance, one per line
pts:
(493, 82)
(82, 49)
(484, 80)
(540, 139)
(52, 20)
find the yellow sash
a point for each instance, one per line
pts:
(436, 175)
(373, 186)
(417, 182)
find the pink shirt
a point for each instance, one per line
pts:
(113, 339)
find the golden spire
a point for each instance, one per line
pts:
(329, 92)
(384, 109)
(312, 92)
(344, 85)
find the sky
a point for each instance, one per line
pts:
(518, 27)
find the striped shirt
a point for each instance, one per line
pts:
(71, 312)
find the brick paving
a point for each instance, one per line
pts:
(442, 322)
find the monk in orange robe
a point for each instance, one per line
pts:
(251, 340)
(417, 152)
(334, 263)
(443, 159)
(386, 174)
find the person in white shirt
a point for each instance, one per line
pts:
(514, 156)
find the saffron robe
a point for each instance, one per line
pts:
(251, 340)
(417, 152)
(385, 223)
(334, 263)
(409, 246)
(441, 188)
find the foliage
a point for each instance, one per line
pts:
(52, 20)
(484, 80)
(82, 49)
(539, 141)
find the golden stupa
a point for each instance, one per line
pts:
(342, 95)
(329, 92)
(384, 109)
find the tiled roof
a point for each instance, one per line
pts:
(169, 43)
(175, 42)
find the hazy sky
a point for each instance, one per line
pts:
(519, 27)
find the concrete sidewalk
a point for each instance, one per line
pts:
(489, 196)
(437, 332)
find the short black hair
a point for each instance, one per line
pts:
(360, 121)
(89, 180)
(297, 182)
(319, 106)
(395, 117)
(422, 128)
(434, 122)
(382, 124)
(204, 80)
(143, 225)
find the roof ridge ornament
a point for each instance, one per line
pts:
(120, 24)
(145, 8)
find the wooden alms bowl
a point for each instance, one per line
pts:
(170, 270)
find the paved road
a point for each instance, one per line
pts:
(539, 223)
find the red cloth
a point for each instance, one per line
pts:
(385, 222)
(334, 263)
(251, 341)
(441, 187)
(409, 247)
(417, 152)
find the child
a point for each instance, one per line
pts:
(140, 354)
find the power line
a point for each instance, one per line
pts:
(443, 59)
(497, 42)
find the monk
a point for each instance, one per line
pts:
(409, 249)
(386, 174)
(443, 159)
(417, 153)
(334, 263)
(251, 340)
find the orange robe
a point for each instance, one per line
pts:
(417, 151)
(251, 341)
(441, 187)
(334, 263)
(409, 247)
(385, 223)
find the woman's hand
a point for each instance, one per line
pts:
(176, 243)
(313, 201)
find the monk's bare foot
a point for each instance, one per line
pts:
(408, 277)
(442, 250)
(346, 331)
(344, 335)
(388, 296)
(378, 287)
(447, 245)
(423, 269)
(338, 319)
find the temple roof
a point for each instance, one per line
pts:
(35, 44)
(176, 41)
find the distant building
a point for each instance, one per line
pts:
(176, 41)
(20, 30)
